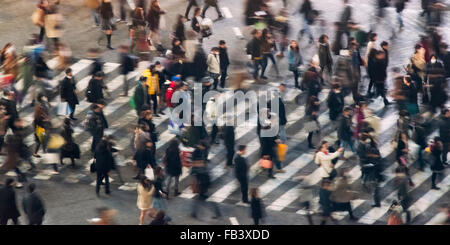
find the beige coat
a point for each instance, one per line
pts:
(145, 198)
(324, 162)
(53, 25)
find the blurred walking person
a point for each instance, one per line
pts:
(188, 8)
(401, 183)
(212, 3)
(96, 124)
(70, 149)
(154, 21)
(94, 6)
(295, 60)
(106, 14)
(8, 205)
(104, 162)
(342, 194)
(241, 172)
(127, 65)
(323, 158)
(224, 62)
(256, 206)
(68, 92)
(173, 165)
(444, 133)
(33, 206)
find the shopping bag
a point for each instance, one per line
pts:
(63, 109)
(149, 173)
(40, 132)
(282, 149)
(132, 103)
(56, 141)
(265, 163)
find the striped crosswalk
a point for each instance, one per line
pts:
(281, 193)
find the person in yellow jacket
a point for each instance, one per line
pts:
(153, 86)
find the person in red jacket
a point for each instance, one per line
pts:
(171, 90)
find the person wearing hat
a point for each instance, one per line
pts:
(68, 91)
(140, 96)
(94, 91)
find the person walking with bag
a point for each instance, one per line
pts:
(323, 159)
(33, 206)
(68, 92)
(241, 172)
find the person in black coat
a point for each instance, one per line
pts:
(282, 115)
(254, 49)
(437, 167)
(224, 62)
(444, 133)
(41, 70)
(335, 102)
(67, 91)
(70, 149)
(379, 75)
(96, 125)
(173, 165)
(127, 65)
(97, 64)
(229, 137)
(104, 162)
(8, 206)
(33, 206)
(94, 92)
(241, 172)
(345, 129)
(257, 206)
(10, 105)
(201, 66)
(145, 157)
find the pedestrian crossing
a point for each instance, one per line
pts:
(280, 194)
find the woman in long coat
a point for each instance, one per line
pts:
(8, 205)
(172, 162)
(145, 190)
(70, 149)
(154, 19)
(106, 14)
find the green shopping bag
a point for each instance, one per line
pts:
(132, 103)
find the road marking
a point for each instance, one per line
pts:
(227, 13)
(234, 221)
(238, 32)
(438, 219)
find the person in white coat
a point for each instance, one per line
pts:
(212, 112)
(323, 158)
(213, 62)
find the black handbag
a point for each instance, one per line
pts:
(93, 169)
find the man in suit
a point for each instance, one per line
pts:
(33, 206)
(67, 91)
(8, 206)
(224, 62)
(241, 171)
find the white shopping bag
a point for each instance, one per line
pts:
(149, 173)
(63, 109)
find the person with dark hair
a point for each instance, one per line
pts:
(254, 49)
(335, 102)
(104, 162)
(379, 75)
(435, 85)
(308, 19)
(145, 157)
(324, 53)
(173, 167)
(70, 149)
(106, 14)
(295, 60)
(345, 130)
(267, 48)
(94, 91)
(178, 28)
(68, 91)
(145, 190)
(140, 96)
(127, 65)
(41, 123)
(97, 64)
(256, 206)
(10, 105)
(436, 165)
(312, 124)
(33, 206)
(342, 27)
(160, 219)
(241, 172)
(213, 62)
(409, 91)
(8, 206)
(96, 124)
(224, 62)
